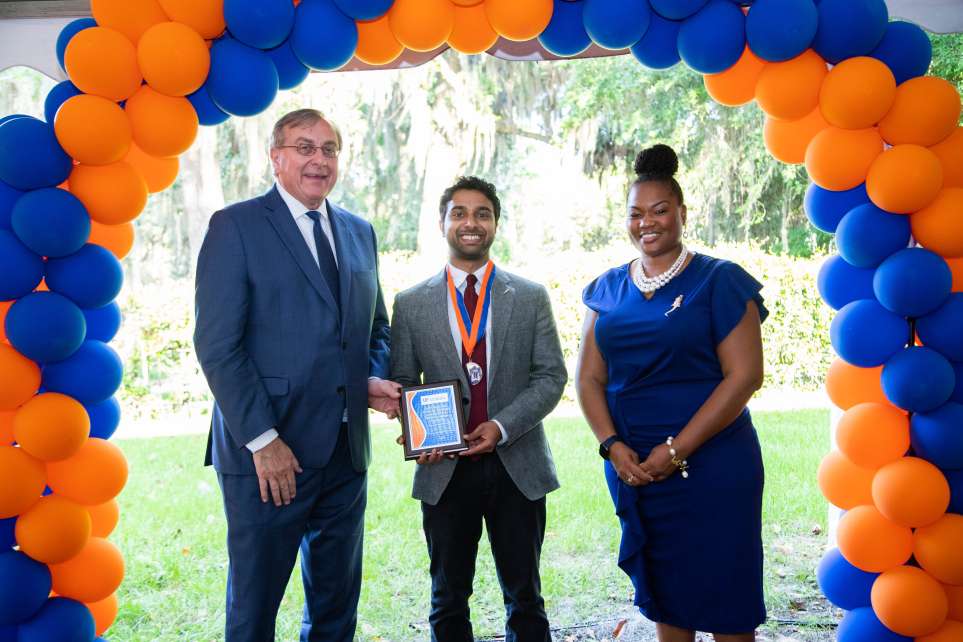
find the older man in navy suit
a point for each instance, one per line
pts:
(292, 335)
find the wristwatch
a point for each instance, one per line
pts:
(606, 445)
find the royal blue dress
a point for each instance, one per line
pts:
(692, 547)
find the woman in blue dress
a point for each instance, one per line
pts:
(671, 353)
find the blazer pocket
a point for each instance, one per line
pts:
(275, 386)
(365, 283)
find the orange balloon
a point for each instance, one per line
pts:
(42, 286)
(92, 575)
(787, 140)
(519, 20)
(119, 239)
(93, 130)
(872, 435)
(173, 58)
(736, 85)
(909, 602)
(53, 530)
(939, 225)
(857, 93)
(6, 428)
(112, 194)
(377, 44)
(21, 481)
(937, 548)
(130, 17)
(51, 426)
(206, 17)
(472, 33)
(904, 178)
(96, 474)
(4, 306)
(19, 378)
(790, 90)
(422, 25)
(950, 153)
(848, 385)
(163, 126)
(104, 612)
(925, 112)
(466, 3)
(911, 491)
(871, 542)
(839, 159)
(956, 267)
(104, 518)
(843, 483)
(955, 596)
(158, 173)
(951, 631)
(103, 62)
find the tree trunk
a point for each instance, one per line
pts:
(201, 187)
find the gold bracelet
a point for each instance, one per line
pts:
(681, 464)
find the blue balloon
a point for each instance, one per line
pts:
(291, 71)
(20, 269)
(45, 327)
(862, 625)
(616, 24)
(842, 583)
(51, 222)
(68, 32)
(263, 24)
(905, 49)
(936, 436)
(958, 390)
(942, 329)
(826, 208)
(61, 93)
(849, 28)
(60, 620)
(913, 282)
(340, 39)
(677, 9)
(207, 112)
(104, 418)
(955, 479)
(713, 40)
(90, 375)
(91, 277)
(840, 283)
(243, 81)
(866, 334)
(31, 157)
(565, 34)
(867, 235)
(8, 633)
(24, 586)
(8, 196)
(7, 538)
(918, 379)
(778, 30)
(104, 322)
(364, 9)
(658, 48)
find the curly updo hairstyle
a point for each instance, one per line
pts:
(659, 163)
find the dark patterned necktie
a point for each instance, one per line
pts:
(329, 267)
(479, 391)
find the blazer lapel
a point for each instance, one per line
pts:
(344, 242)
(503, 303)
(436, 323)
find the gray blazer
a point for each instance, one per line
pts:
(526, 375)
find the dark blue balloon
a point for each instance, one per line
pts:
(68, 32)
(207, 112)
(942, 329)
(90, 375)
(778, 30)
(8, 196)
(60, 620)
(918, 379)
(20, 269)
(958, 390)
(616, 24)
(340, 35)
(906, 50)
(713, 40)
(913, 282)
(7, 537)
(676, 9)
(849, 28)
(364, 9)
(658, 48)
(243, 81)
(866, 334)
(51, 222)
(56, 97)
(937, 437)
(840, 283)
(862, 625)
(30, 156)
(91, 277)
(263, 24)
(955, 479)
(565, 34)
(867, 235)
(842, 583)
(45, 327)
(8, 633)
(291, 71)
(826, 208)
(104, 418)
(104, 322)
(24, 586)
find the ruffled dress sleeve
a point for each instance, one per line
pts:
(599, 295)
(732, 289)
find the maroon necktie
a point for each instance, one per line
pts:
(479, 392)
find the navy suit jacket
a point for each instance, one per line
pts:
(270, 341)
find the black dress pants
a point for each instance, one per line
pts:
(478, 490)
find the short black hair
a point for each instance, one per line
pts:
(475, 184)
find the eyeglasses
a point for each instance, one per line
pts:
(328, 150)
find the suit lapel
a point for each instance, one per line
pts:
(344, 243)
(503, 303)
(436, 322)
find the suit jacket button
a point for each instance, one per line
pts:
(341, 390)
(344, 345)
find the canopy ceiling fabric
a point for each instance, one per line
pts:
(27, 39)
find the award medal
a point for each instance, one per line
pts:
(472, 328)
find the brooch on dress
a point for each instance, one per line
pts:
(675, 305)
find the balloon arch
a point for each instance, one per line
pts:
(844, 90)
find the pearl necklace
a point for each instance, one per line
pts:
(648, 285)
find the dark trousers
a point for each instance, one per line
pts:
(326, 522)
(480, 490)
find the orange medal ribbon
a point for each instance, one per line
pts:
(471, 329)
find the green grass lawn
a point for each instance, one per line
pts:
(172, 532)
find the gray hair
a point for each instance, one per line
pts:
(300, 118)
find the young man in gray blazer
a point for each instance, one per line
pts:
(512, 376)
